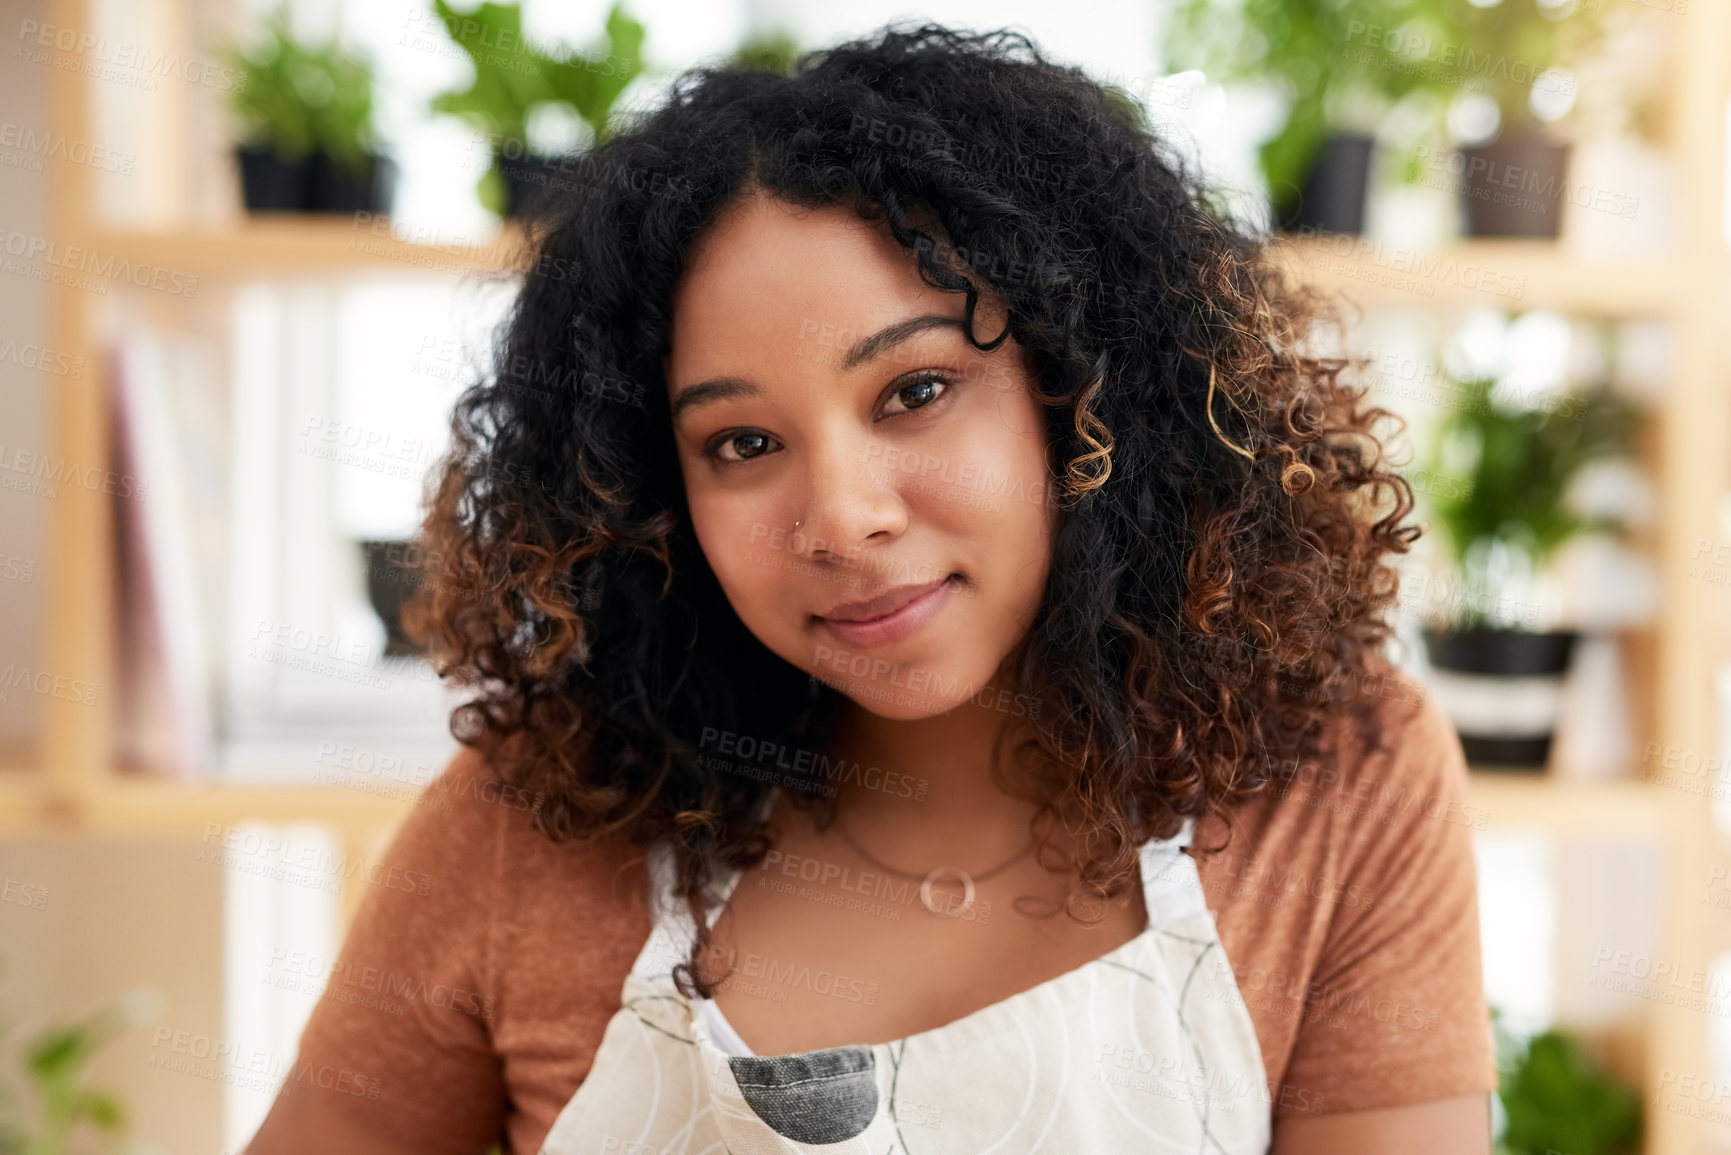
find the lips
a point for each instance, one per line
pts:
(902, 612)
(883, 605)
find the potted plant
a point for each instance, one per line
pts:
(1501, 471)
(1555, 1098)
(54, 1067)
(1317, 165)
(1356, 72)
(775, 51)
(305, 113)
(349, 174)
(277, 135)
(514, 77)
(1507, 60)
(393, 577)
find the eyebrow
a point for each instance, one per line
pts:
(728, 388)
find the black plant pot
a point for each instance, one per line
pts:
(391, 581)
(529, 180)
(333, 187)
(1514, 187)
(1497, 657)
(269, 183)
(1333, 197)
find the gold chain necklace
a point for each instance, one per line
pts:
(931, 876)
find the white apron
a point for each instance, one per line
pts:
(1148, 1048)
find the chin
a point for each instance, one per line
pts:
(897, 691)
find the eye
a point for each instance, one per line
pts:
(746, 444)
(922, 391)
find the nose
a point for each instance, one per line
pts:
(848, 507)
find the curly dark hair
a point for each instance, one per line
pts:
(1220, 569)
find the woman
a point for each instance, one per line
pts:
(925, 607)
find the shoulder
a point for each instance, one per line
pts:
(1346, 900)
(481, 830)
(1392, 762)
(478, 975)
(568, 919)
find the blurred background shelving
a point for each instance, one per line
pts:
(68, 785)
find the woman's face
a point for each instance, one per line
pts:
(814, 378)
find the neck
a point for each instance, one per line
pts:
(937, 796)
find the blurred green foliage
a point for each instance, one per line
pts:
(513, 76)
(66, 1110)
(1556, 1099)
(1506, 470)
(1342, 65)
(297, 98)
(773, 52)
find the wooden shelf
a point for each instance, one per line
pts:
(308, 244)
(1627, 807)
(128, 806)
(1506, 274)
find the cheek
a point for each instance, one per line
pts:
(993, 482)
(1017, 521)
(734, 542)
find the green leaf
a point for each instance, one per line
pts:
(296, 98)
(102, 1109)
(1330, 56)
(59, 1053)
(775, 52)
(1508, 471)
(1557, 1100)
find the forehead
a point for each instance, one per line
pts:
(767, 271)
